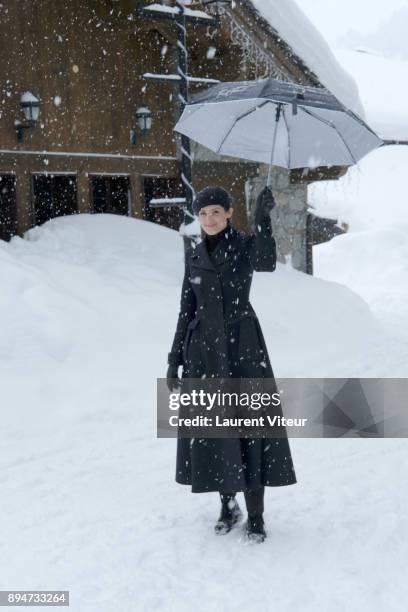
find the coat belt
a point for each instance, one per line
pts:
(237, 317)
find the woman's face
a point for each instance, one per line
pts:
(213, 218)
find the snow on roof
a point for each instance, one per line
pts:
(162, 8)
(177, 77)
(383, 86)
(299, 33)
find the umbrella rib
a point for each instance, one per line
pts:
(329, 123)
(241, 116)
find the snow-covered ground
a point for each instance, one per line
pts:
(88, 498)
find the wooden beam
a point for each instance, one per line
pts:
(387, 142)
(322, 173)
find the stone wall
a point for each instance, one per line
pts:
(288, 218)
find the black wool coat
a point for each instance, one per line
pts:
(218, 335)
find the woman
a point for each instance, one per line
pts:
(218, 335)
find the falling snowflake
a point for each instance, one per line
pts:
(211, 51)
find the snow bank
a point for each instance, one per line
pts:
(310, 46)
(87, 293)
(372, 195)
(374, 264)
(372, 258)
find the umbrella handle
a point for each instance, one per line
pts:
(277, 116)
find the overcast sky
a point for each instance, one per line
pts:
(336, 18)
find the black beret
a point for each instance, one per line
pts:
(212, 195)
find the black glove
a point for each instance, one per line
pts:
(173, 381)
(264, 204)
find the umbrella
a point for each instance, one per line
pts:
(275, 122)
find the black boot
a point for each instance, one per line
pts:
(255, 529)
(231, 513)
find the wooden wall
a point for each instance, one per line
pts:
(92, 54)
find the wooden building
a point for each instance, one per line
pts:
(84, 62)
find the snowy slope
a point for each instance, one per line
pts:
(296, 29)
(89, 503)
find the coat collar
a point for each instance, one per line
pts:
(222, 252)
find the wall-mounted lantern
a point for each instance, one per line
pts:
(30, 107)
(144, 121)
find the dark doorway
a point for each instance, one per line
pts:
(54, 195)
(111, 194)
(318, 230)
(324, 229)
(8, 208)
(309, 244)
(157, 187)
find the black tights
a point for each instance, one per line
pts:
(254, 500)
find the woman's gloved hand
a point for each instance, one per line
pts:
(265, 202)
(173, 381)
